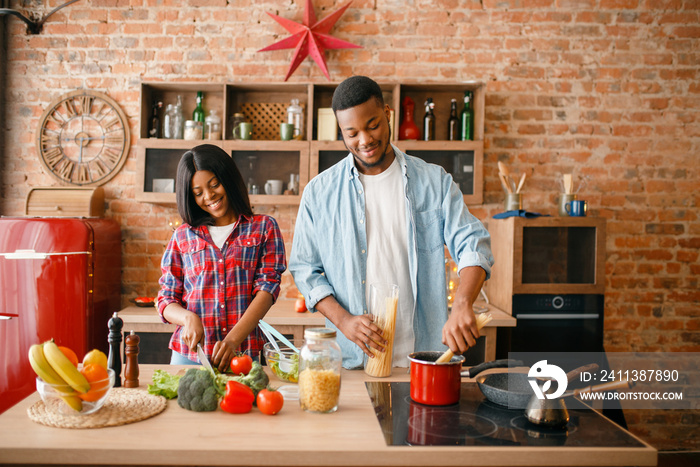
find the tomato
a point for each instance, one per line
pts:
(144, 299)
(270, 401)
(238, 398)
(241, 363)
(300, 305)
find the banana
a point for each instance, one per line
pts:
(74, 402)
(43, 370)
(64, 367)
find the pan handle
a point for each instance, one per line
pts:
(475, 370)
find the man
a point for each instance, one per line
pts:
(380, 215)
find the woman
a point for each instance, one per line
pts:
(221, 269)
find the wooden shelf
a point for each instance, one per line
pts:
(158, 158)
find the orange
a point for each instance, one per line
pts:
(98, 378)
(70, 355)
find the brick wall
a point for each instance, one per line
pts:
(603, 88)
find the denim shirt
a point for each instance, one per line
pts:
(328, 254)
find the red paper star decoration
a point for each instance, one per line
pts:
(310, 38)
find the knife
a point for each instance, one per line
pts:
(204, 360)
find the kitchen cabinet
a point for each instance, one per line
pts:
(352, 436)
(265, 157)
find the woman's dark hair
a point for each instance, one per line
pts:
(354, 91)
(215, 160)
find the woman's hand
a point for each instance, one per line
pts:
(362, 331)
(192, 331)
(223, 353)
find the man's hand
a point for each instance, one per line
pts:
(460, 331)
(362, 331)
(359, 329)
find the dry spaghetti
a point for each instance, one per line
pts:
(380, 364)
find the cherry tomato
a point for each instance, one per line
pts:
(241, 363)
(270, 401)
(300, 305)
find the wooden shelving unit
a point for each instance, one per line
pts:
(274, 159)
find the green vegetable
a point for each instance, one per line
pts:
(164, 384)
(292, 363)
(256, 379)
(197, 391)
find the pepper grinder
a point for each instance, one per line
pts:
(114, 361)
(131, 365)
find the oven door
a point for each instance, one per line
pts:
(557, 323)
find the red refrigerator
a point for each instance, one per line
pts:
(59, 278)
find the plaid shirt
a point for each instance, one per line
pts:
(219, 284)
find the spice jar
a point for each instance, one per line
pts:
(320, 361)
(193, 130)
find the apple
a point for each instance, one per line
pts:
(300, 305)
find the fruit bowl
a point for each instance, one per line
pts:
(57, 400)
(285, 363)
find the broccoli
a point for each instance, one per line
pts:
(197, 391)
(256, 379)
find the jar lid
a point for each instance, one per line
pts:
(319, 333)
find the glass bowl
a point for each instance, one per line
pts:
(56, 401)
(285, 363)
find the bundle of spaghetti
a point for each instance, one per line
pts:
(319, 390)
(380, 364)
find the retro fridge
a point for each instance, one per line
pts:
(59, 278)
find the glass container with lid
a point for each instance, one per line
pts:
(193, 130)
(212, 126)
(320, 361)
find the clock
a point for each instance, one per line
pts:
(83, 138)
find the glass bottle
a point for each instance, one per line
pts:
(198, 114)
(295, 116)
(453, 130)
(320, 361)
(467, 121)
(408, 129)
(429, 121)
(168, 121)
(212, 126)
(154, 127)
(178, 119)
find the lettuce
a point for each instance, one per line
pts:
(164, 384)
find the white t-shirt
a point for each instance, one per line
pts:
(220, 233)
(387, 249)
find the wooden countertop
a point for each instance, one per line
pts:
(349, 437)
(282, 314)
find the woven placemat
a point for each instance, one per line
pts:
(122, 406)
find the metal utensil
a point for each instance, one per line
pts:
(553, 413)
(204, 360)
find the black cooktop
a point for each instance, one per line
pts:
(475, 421)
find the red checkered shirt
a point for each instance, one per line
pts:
(219, 284)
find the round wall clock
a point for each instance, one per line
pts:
(83, 138)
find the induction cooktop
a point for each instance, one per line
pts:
(475, 421)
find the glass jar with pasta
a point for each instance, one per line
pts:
(383, 301)
(320, 362)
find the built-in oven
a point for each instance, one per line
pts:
(554, 323)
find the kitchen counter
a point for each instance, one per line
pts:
(349, 437)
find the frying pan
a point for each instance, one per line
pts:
(507, 389)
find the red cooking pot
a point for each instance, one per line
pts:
(435, 383)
